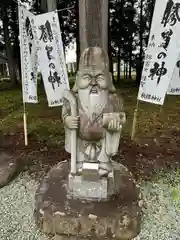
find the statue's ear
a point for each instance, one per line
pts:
(75, 88)
(112, 88)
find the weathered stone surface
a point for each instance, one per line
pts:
(8, 168)
(118, 218)
(93, 117)
(84, 189)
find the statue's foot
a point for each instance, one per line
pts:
(103, 173)
(105, 169)
(79, 167)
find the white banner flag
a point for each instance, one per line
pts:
(29, 59)
(174, 86)
(162, 54)
(51, 56)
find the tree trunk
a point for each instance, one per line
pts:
(77, 35)
(77, 53)
(16, 47)
(126, 70)
(93, 24)
(61, 21)
(119, 65)
(9, 52)
(48, 5)
(51, 5)
(111, 61)
(139, 68)
(110, 47)
(44, 7)
(151, 13)
(130, 64)
(131, 39)
(119, 39)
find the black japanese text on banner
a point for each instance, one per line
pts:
(162, 53)
(46, 29)
(29, 60)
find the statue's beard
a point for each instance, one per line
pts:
(93, 100)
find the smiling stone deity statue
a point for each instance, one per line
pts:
(100, 115)
(90, 195)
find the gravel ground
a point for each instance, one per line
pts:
(16, 210)
(162, 212)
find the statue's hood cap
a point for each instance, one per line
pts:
(94, 57)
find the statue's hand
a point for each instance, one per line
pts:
(72, 122)
(114, 125)
(113, 122)
(122, 117)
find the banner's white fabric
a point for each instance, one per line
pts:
(174, 86)
(29, 59)
(49, 44)
(161, 54)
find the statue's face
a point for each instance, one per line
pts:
(94, 80)
(92, 89)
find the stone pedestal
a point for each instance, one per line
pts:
(8, 168)
(118, 218)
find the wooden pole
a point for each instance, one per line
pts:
(134, 121)
(25, 125)
(93, 24)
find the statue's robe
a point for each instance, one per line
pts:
(93, 139)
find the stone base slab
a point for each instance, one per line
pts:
(8, 168)
(83, 189)
(118, 218)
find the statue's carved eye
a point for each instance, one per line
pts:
(87, 78)
(99, 78)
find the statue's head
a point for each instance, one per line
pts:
(93, 80)
(94, 71)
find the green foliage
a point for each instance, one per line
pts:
(129, 29)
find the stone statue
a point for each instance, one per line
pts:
(99, 118)
(91, 195)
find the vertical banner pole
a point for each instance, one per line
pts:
(134, 121)
(25, 125)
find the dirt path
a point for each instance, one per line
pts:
(142, 158)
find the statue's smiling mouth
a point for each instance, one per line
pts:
(94, 90)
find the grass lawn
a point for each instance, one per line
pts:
(44, 123)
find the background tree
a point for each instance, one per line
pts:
(129, 26)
